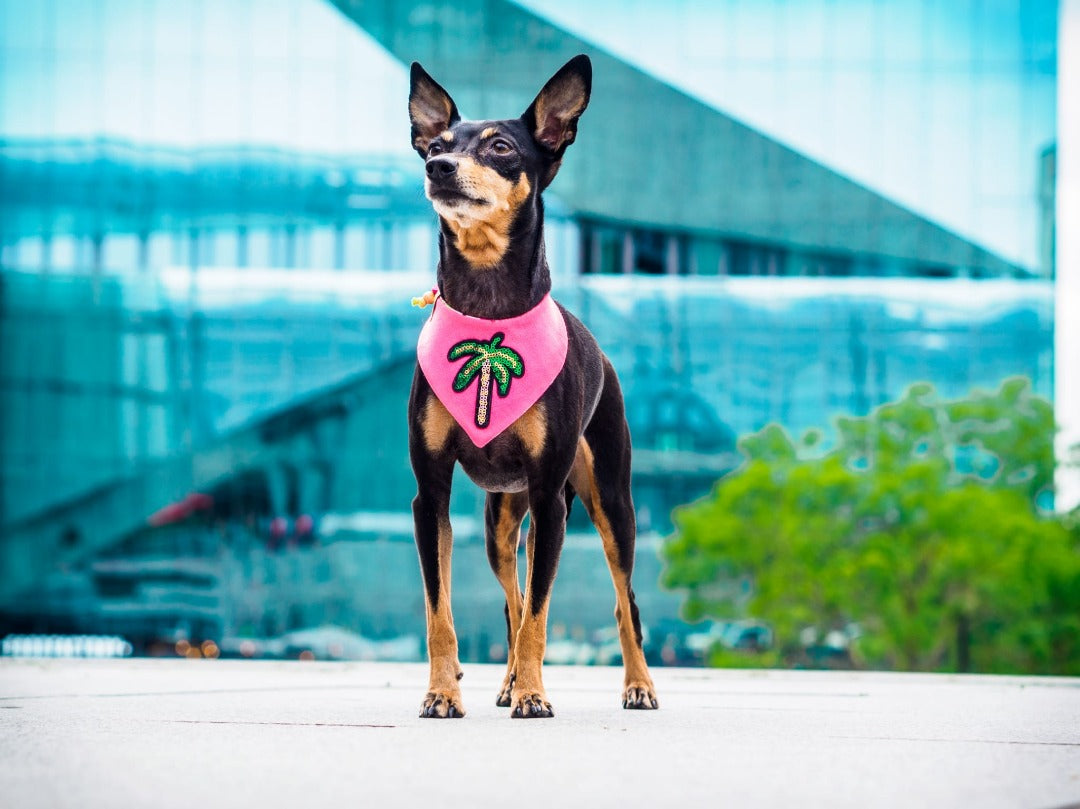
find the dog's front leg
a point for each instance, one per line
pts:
(434, 541)
(547, 529)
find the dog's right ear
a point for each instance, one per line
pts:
(431, 109)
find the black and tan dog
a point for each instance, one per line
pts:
(484, 180)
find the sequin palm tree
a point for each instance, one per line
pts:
(490, 361)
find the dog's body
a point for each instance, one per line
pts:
(484, 180)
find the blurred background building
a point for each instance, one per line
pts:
(212, 221)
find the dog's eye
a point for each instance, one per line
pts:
(435, 148)
(502, 147)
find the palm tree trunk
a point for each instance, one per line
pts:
(483, 395)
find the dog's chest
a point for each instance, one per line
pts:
(500, 466)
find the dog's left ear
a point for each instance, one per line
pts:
(431, 109)
(553, 116)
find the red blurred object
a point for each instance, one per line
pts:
(304, 525)
(182, 509)
(278, 527)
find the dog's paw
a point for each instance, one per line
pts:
(441, 705)
(505, 693)
(531, 705)
(640, 696)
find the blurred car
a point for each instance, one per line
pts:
(570, 652)
(325, 643)
(744, 635)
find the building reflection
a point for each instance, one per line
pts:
(207, 345)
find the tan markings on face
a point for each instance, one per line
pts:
(482, 229)
(583, 479)
(531, 428)
(447, 136)
(487, 133)
(435, 424)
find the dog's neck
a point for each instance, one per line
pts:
(513, 286)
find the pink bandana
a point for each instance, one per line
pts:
(489, 372)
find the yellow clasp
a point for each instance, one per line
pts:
(426, 299)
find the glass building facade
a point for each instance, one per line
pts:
(208, 243)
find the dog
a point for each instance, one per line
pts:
(484, 180)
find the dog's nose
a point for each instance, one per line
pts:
(439, 168)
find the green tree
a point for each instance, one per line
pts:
(922, 526)
(487, 360)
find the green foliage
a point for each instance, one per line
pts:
(722, 658)
(921, 526)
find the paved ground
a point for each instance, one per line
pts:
(215, 733)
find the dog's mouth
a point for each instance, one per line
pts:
(452, 196)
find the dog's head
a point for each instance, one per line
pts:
(481, 172)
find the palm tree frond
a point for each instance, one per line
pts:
(467, 372)
(466, 347)
(502, 377)
(510, 358)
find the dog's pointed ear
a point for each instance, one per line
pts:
(553, 116)
(431, 109)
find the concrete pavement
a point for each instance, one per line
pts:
(183, 733)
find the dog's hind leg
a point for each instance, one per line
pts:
(502, 534)
(547, 530)
(602, 481)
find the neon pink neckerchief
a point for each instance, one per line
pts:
(489, 372)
